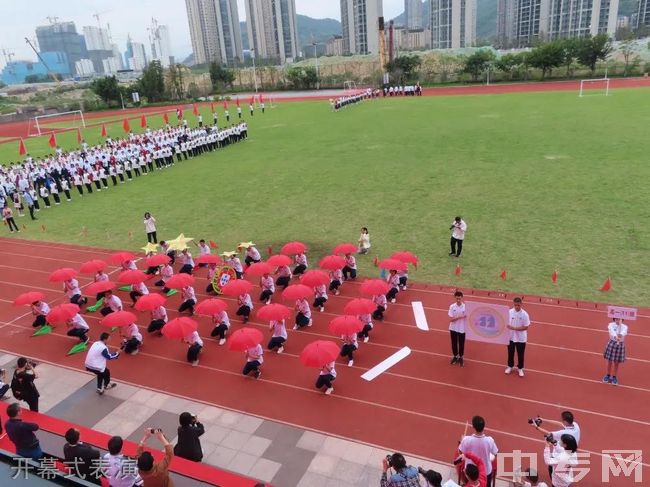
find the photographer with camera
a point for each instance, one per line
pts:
(154, 474)
(22, 383)
(458, 228)
(404, 476)
(188, 445)
(570, 427)
(561, 456)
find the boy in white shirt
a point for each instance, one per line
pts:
(518, 325)
(457, 320)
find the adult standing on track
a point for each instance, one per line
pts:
(96, 359)
(458, 229)
(457, 320)
(518, 325)
(150, 228)
(22, 383)
(615, 349)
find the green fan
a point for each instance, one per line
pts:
(125, 288)
(43, 330)
(171, 292)
(78, 348)
(96, 306)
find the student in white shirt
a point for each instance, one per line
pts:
(150, 228)
(195, 347)
(111, 303)
(480, 445)
(563, 458)
(254, 360)
(457, 319)
(364, 241)
(40, 309)
(78, 328)
(132, 339)
(278, 335)
(350, 344)
(458, 229)
(120, 470)
(615, 349)
(518, 324)
(221, 323)
(326, 376)
(531, 479)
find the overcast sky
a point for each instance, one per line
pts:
(19, 19)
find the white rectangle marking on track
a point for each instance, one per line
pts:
(382, 367)
(420, 318)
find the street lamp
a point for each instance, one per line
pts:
(317, 70)
(254, 71)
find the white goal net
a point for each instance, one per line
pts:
(599, 86)
(64, 120)
(349, 86)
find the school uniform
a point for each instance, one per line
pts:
(367, 327)
(320, 297)
(45, 196)
(73, 292)
(268, 288)
(350, 345)
(166, 273)
(245, 306)
(87, 180)
(382, 304)
(326, 376)
(187, 263)
(615, 350)
(132, 339)
(78, 328)
(222, 325)
(252, 256)
(518, 339)
(336, 277)
(235, 263)
(303, 317)
(189, 300)
(350, 268)
(254, 359)
(40, 311)
(195, 347)
(158, 319)
(212, 270)
(457, 331)
(150, 229)
(137, 290)
(78, 182)
(8, 217)
(65, 187)
(393, 282)
(111, 304)
(403, 279)
(301, 264)
(284, 276)
(278, 335)
(54, 191)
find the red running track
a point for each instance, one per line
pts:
(420, 406)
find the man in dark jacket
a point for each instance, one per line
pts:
(189, 431)
(22, 434)
(82, 459)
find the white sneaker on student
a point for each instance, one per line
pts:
(521, 372)
(508, 370)
(195, 363)
(329, 391)
(222, 341)
(350, 363)
(281, 349)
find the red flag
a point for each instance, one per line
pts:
(375, 262)
(270, 250)
(213, 244)
(195, 110)
(126, 126)
(79, 137)
(179, 114)
(503, 274)
(225, 104)
(458, 270)
(261, 98)
(52, 140)
(252, 102)
(237, 101)
(554, 277)
(143, 121)
(607, 285)
(166, 117)
(104, 132)
(212, 107)
(22, 150)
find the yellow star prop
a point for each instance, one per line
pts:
(179, 243)
(150, 248)
(245, 245)
(228, 254)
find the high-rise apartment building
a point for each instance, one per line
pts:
(135, 55)
(215, 32)
(413, 13)
(453, 24)
(643, 14)
(360, 23)
(272, 29)
(62, 37)
(161, 48)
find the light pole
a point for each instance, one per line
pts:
(254, 71)
(317, 70)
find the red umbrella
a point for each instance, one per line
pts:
(345, 248)
(332, 262)
(345, 325)
(392, 264)
(208, 259)
(156, 260)
(406, 257)
(273, 311)
(29, 298)
(120, 257)
(297, 291)
(63, 274)
(237, 287)
(259, 269)
(314, 278)
(132, 277)
(359, 306)
(278, 260)
(179, 281)
(211, 306)
(99, 287)
(58, 315)
(374, 286)
(119, 318)
(92, 266)
(245, 338)
(179, 328)
(319, 353)
(149, 302)
(293, 248)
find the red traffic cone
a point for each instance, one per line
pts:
(607, 285)
(554, 277)
(458, 270)
(503, 274)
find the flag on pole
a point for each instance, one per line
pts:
(237, 101)
(195, 110)
(104, 132)
(554, 277)
(607, 285)
(213, 244)
(458, 270)
(375, 262)
(225, 104)
(79, 137)
(126, 126)
(166, 117)
(270, 250)
(261, 98)
(252, 102)
(503, 274)
(212, 107)
(52, 140)
(143, 121)
(22, 150)
(179, 114)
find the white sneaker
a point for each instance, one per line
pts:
(222, 341)
(393, 300)
(521, 372)
(329, 391)
(350, 363)
(295, 327)
(365, 339)
(268, 301)
(195, 363)
(337, 292)
(135, 352)
(281, 349)
(310, 323)
(508, 370)
(322, 308)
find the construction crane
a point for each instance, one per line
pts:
(53, 20)
(50, 73)
(382, 51)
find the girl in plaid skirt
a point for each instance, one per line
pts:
(615, 350)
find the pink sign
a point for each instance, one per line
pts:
(487, 322)
(620, 312)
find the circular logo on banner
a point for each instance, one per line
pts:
(222, 277)
(487, 323)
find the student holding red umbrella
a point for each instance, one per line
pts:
(39, 309)
(195, 347)
(234, 262)
(132, 339)
(393, 281)
(366, 319)
(111, 303)
(350, 268)
(326, 376)
(382, 304)
(350, 345)
(303, 317)
(158, 319)
(212, 270)
(138, 290)
(189, 300)
(100, 276)
(279, 335)
(268, 288)
(284, 276)
(72, 290)
(78, 328)
(336, 278)
(165, 274)
(221, 324)
(301, 264)
(245, 306)
(254, 360)
(320, 293)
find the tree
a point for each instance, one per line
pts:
(477, 63)
(151, 84)
(107, 88)
(402, 68)
(594, 49)
(547, 56)
(508, 63)
(176, 86)
(221, 77)
(571, 48)
(627, 49)
(302, 78)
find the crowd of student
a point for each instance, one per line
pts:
(36, 184)
(344, 101)
(400, 90)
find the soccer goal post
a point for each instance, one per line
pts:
(598, 86)
(349, 86)
(63, 120)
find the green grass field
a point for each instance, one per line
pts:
(545, 181)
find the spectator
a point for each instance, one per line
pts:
(81, 458)
(155, 474)
(22, 384)
(531, 479)
(189, 431)
(569, 427)
(22, 434)
(432, 478)
(458, 229)
(121, 471)
(404, 476)
(474, 471)
(562, 457)
(4, 387)
(480, 445)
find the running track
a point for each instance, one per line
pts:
(419, 407)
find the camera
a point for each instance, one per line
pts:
(153, 431)
(388, 460)
(549, 438)
(536, 421)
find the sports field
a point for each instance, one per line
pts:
(545, 181)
